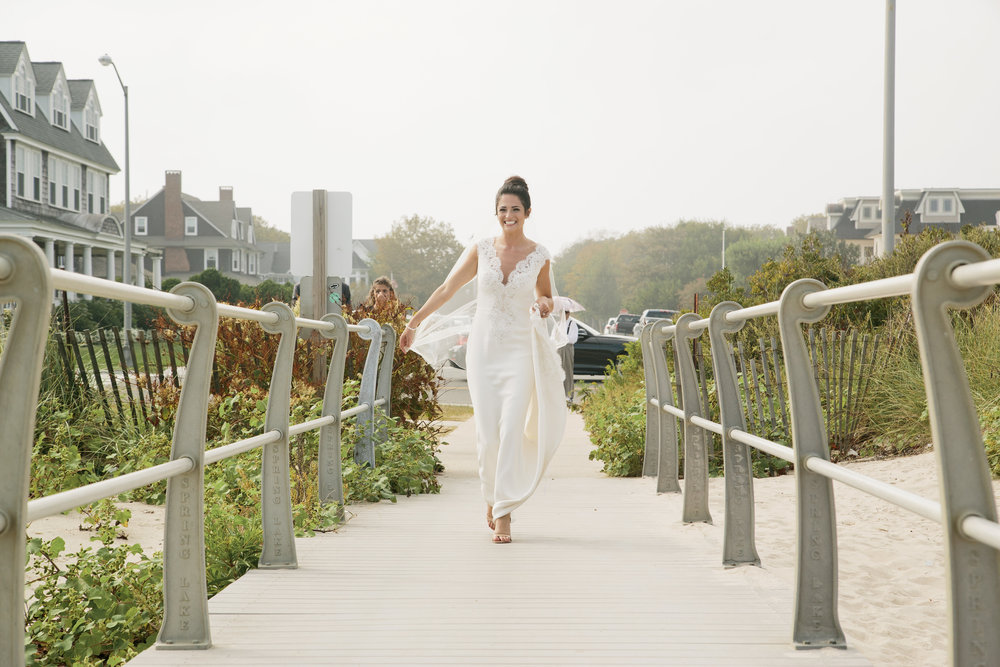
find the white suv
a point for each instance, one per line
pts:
(651, 314)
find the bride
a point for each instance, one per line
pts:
(514, 373)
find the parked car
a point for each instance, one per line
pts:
(624, 324)
(594, 351)
(651, 314)
(610, 326)
(591, 354)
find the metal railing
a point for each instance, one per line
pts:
(956, 274)
(26, 279)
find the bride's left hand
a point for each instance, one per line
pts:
(544, 306)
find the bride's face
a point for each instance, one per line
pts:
(511, 212)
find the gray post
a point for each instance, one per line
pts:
(889, 133)
(651, 449)
(278, 550)
(383, 388)
(738, 547)
(331, 481)
(185, 593)
(667, 459)
(24, 278)
(365, 451)
(816, 624)
(695, 438)
(973, 568)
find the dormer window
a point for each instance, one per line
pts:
(91, 121)
(60, 105)
(940, 207)
(24, 89)
(190, 225)
(867, 213)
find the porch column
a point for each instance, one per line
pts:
(157, 271)
(50, 252)
(88, 266)
(111, 263)
(69, 249)
(140, 269)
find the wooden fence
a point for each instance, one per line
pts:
(843, 363)
(94, 363)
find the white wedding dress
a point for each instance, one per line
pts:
(515, 380)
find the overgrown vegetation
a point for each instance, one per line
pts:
(102, 605)
(894, 417)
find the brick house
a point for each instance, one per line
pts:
(196, 234)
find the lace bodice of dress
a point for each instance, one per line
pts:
(507, 305)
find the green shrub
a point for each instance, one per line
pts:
(614, 414)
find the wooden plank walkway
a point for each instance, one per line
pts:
(601, 571)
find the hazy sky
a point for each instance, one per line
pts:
(620, 115)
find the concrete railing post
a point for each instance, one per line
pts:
(364, 453)
(816, 624)
(185, 593)
(278, 550)
(973, 568)
(24, 278)
(331, 480)
(667, 468)
(383, 388)
(651, 449)
(738, 547)
(696, 439)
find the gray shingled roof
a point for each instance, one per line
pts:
(45, 76)
(219, 213)
(40, 129)
(9, 54)
(78, 91)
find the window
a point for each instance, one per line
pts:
(946, 205)
(74, 179)
(60, 182)
(933, 205)
(90, 121)
(60, 105)
(234, 229)
(212, 258)
(97, 187)
(24, 89)
(190, 226)
(141, 225)
(29, 173)
(236, 260)
(251, 263)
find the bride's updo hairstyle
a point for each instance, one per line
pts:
(515, 185)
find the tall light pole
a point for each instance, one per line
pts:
(127, 259)
(888, 133)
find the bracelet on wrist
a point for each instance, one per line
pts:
(407, 326)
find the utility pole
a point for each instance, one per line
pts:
(888, 133)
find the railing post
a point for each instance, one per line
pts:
(973, 568)
(278, 550)
(24, 278)
(738, 547)
(331, 480)
(816, 624)
(651, 450)
(185, 593)
(695, 438)
(667, 480)
(660, 453)
(383, 388)
(364, 453)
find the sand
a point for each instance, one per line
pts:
(892, 579)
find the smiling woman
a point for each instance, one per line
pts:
(513, 370)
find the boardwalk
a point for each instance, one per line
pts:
(601, 572)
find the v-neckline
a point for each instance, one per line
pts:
(505, 280)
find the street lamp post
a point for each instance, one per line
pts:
(127, 259)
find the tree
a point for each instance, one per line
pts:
(418, 253)
(265, 232)
(226, 290)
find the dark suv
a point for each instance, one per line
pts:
(625, 323)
